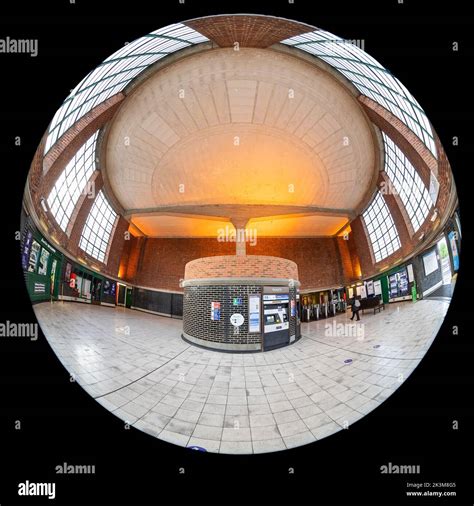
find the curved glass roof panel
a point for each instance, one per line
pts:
(381, 229)
(369, 77)
(407, 183)
(115, 72)
(72, 183)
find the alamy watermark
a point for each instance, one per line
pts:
(34, 489)
(10, 329)
(66, 468)
(360, 43)
(229, 234)
(123, 330)
(399, 469)
(9, 45)
(335, 329)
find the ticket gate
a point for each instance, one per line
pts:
(276, 322)
(324, 310)
(306, 314)
(341, 306)
(298, 318)
(316, 312)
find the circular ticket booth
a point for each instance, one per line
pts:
(241, 303)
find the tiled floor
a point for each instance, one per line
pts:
(136, 365)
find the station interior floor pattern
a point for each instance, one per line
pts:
(137, 366)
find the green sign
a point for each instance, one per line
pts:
(413, 292)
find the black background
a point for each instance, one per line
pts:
(62, 423)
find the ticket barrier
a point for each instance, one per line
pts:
(306, 314)
(311, 313)
(324, 310)
(341, 306)
(315, 311)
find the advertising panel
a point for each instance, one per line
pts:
(26, 250)
(254, 313)
(430, 262)
(109, 287)
(370, 287)
(67, 272)
(454, 250)
(43, 262)
(53, 274)
(378, 287)
(34, 256)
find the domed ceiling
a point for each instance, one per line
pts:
(251, 134)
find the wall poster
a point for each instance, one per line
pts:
(378, 287)
(215, 311)
(370, 287)
(53, 274)
(43, 262)
(34, 255)
(430, 262)
(254, 313)
(454, 250)
(26, 250)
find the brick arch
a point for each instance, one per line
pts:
(247, 30)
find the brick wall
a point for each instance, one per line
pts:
(318, 259)
(253, 266)
(445, 179)
(163, 260)
(197, 321)
(248, 31)
(359, 244)
(347, 264)
(117, 245)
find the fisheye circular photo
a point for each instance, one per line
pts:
(240, 233)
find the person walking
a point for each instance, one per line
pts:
(355, 308)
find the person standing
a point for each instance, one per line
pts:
(355, 308)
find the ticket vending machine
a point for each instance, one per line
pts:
(276, 320)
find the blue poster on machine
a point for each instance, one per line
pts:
(215, 311)
(454, 250)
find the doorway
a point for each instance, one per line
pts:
(121, 294)
(128, 297)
